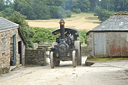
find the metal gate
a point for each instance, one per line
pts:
(100, 44)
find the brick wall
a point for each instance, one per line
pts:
(35, 57)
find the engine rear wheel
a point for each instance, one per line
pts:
(51, 60)
(57, 62)
(74, 58)
(78, 48)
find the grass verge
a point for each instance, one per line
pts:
(107, 59)
(83, 45)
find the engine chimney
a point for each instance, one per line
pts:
(62, 29)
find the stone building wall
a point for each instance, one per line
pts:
(35, 57)
(84, 51)
(5, 55)
(90, 45)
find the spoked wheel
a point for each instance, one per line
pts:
(74, 58)
(78, 48)
(51, 60)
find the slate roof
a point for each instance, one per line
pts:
(115, 23)
(6, 24)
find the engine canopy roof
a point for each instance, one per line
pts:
(70, 30)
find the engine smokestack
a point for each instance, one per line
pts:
(62, 29)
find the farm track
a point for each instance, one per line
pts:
(100, 73)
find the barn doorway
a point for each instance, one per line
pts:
(20, 52)
(100, 44)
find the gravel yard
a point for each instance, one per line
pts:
(100, 73)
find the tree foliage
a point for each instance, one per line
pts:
(2, 6)
(46, 9)
(83, 5)
(102, 14)
(40, 9)
(1, 15)
(82, 36)
(43, 35)
(23, 26)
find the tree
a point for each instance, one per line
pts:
(2, 6)
(25, 8)
(105, 14)
(82, 35)
(83, 5)
(54, 10)
(93, 4)
(68, 5)
(102, 14)
(8, 11)
(43, 35)
(8, 2)
(41, 10)
(23, 26)
(76, 10)
(120, 5)
(1, 15)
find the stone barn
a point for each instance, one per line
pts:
(12, 45)
(110, 38)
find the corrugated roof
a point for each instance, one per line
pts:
(115, 23)
(6, 24)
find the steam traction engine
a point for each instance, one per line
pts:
(66, 47)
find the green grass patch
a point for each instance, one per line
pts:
(97, 22)
(107, 59)
(83, 45)
(92, 18)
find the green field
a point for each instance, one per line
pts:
(82, 21)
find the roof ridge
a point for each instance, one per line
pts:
(121, 13)
(7, 24)
(9, 21)
(113, 23)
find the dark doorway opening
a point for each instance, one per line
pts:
(20, 51)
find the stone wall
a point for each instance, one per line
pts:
(5, 55)
(90, 44)
(35, 57)
(84, 51)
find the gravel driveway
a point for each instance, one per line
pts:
(100, 73)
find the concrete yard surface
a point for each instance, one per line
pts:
(100, 73)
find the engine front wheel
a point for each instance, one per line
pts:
(51, 60)
(78, 48)
(74, 62)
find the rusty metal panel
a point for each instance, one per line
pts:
(117, 44)
(100, 44)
